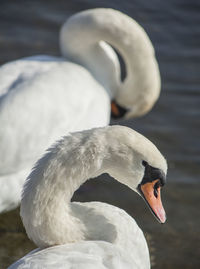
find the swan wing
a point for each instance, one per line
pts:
(109, 223)
(40, 107)
(87, 254)
(41, 100)
(13, 73)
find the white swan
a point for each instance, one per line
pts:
(90, 235)
(42, 97)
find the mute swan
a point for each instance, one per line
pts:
(93, 234)
(42, 97)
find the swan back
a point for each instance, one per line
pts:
(82, 255)
(39, 102)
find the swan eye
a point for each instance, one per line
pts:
(144, 163)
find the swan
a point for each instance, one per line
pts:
(92, 234)
(42, 97)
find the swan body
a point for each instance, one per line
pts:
(97, 253)
(42, 97)
(90, 254)
(28, 127)
(97, 235)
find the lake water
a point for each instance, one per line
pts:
(32, 27)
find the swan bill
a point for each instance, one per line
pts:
(117, 111)
(150, 191)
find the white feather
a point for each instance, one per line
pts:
(42, 97)
(51, 219)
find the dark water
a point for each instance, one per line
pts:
(31, 27)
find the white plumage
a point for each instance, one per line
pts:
(43, 97)
(83, 255)
(86, 235)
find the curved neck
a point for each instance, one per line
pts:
(45, 207)
(80, 42)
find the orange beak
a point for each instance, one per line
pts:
(117, 111)
(114, 109)
(151, 193)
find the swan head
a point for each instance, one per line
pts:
(88, 39)
(136, 99)
(137, 163)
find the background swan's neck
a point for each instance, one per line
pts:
(82, 41)
(45, 208)
(81, 38)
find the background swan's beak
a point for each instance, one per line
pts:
(117, 111)
(151, 193)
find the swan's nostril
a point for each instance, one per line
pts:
(155, 192)
(156, 188)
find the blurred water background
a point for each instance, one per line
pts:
(32, 27)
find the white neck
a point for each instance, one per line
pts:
(81, 41)
(46, 208)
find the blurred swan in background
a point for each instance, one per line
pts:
(92, 234)
(42, 97)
